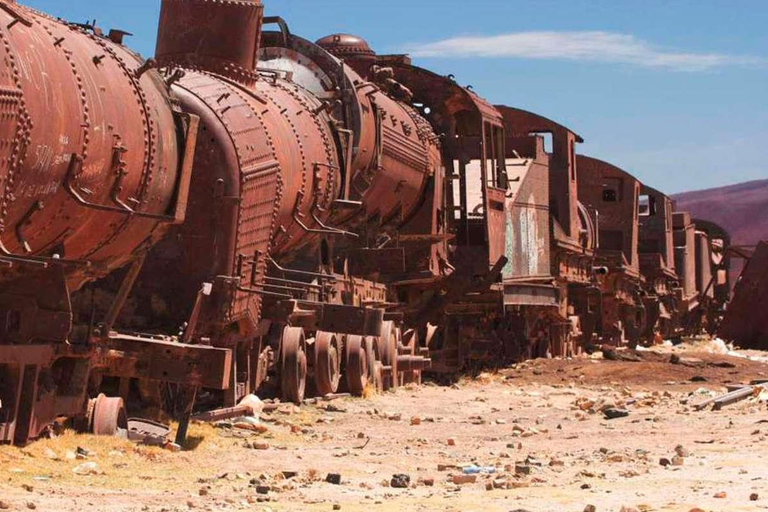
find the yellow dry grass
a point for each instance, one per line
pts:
(121, 463)
(369, 391)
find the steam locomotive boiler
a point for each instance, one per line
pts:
(94, 166)
(291, 165)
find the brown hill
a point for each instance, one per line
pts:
(741, 209)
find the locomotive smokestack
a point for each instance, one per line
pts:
(220, 36)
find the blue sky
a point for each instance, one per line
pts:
(675, 92)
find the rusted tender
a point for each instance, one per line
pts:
(614, 193)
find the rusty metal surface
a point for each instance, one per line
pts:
(743, 323)
(78, 185)
(656, 239)
(685, 255)
(614, 193)
(90, 176)
(220, 36)
(563, 164)
(721, 254)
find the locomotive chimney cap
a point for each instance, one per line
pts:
(219, 36)
(346, 45)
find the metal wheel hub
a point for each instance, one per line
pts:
(327, 365)
(293, 368)
(108, 416)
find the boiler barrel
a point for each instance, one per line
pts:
(89, 145)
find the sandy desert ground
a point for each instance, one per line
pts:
(536, 432)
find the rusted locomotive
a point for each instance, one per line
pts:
(250, 209)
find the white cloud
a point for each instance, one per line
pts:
(594, 46)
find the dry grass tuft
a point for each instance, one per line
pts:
(121, 463)
(369, 392)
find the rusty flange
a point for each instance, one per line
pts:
(407, 352)
(375, 366)
(356, 369)
(327, 363)
(293, 369)
(107, 416)
(388, 341)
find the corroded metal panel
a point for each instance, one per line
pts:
(745, 321)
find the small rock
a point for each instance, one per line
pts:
(4, 505)
(464, 479)
(335, 408)
(86, 468)
(522, 470)
(721, 495)
(754, 497)
(336, 506)
(82, 453)
(682, 451)
(428, 482)
(590, 508)
(262, 489)
(172, 447)
(333, 478)
(203, 491)
(31, 506)
(678, 461)
(260, 446)
(252, 401)
(613, 413)
(451, 441)
(664, 462)
(415, 420)
(51, 454)
(400, 481)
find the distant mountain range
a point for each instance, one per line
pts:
(741, 209)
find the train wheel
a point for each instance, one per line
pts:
(293, 369)
(357, 365)
(388, 348)
(108, 416)
(327, 363)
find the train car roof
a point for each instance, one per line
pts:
(548, 125)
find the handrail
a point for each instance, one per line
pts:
(182, 191)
